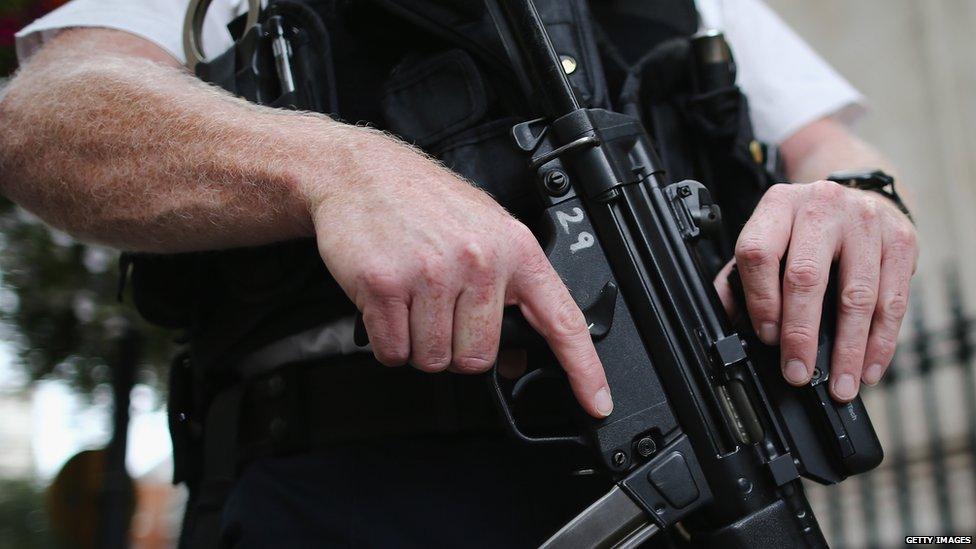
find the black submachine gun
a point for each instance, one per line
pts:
(704, 429)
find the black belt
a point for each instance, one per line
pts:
(349, 398)
(317, 404)
(344, 399)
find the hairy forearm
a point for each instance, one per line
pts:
(128, 152)
(827, 146)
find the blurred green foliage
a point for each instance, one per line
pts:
(23, 523)
(59, 304)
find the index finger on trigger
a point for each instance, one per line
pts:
(550, 310)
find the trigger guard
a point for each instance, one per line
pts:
(504, 404)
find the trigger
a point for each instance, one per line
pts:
(599, 314)
(528, 378)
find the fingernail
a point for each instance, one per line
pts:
(845, 387)
(872, 374)
(604, 404)
(769, 333)
(795, 372)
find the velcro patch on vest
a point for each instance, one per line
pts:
(429, 99)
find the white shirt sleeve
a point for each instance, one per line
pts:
(787, 83)
(159, 21)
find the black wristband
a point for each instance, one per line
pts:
(872, 180)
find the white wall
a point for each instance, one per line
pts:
(913, 59)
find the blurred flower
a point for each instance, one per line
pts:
(15, 14)
(8, 26)
(48, 5)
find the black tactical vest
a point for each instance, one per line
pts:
(435, 74)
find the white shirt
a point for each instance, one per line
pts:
(787, 83)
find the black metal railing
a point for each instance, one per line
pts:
(925, 411)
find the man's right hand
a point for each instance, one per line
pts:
(431, 262)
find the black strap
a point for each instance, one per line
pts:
(353, 398)
(202, 524)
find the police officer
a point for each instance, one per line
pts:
(306, 441)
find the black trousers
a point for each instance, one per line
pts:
(484, 491)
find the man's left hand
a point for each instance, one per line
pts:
(811, 226)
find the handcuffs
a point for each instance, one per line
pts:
(193, 28)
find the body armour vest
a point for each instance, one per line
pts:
(435, 74)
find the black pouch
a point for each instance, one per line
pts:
(720, 120)
(428, 99)
(442, 104)
(704, 136)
